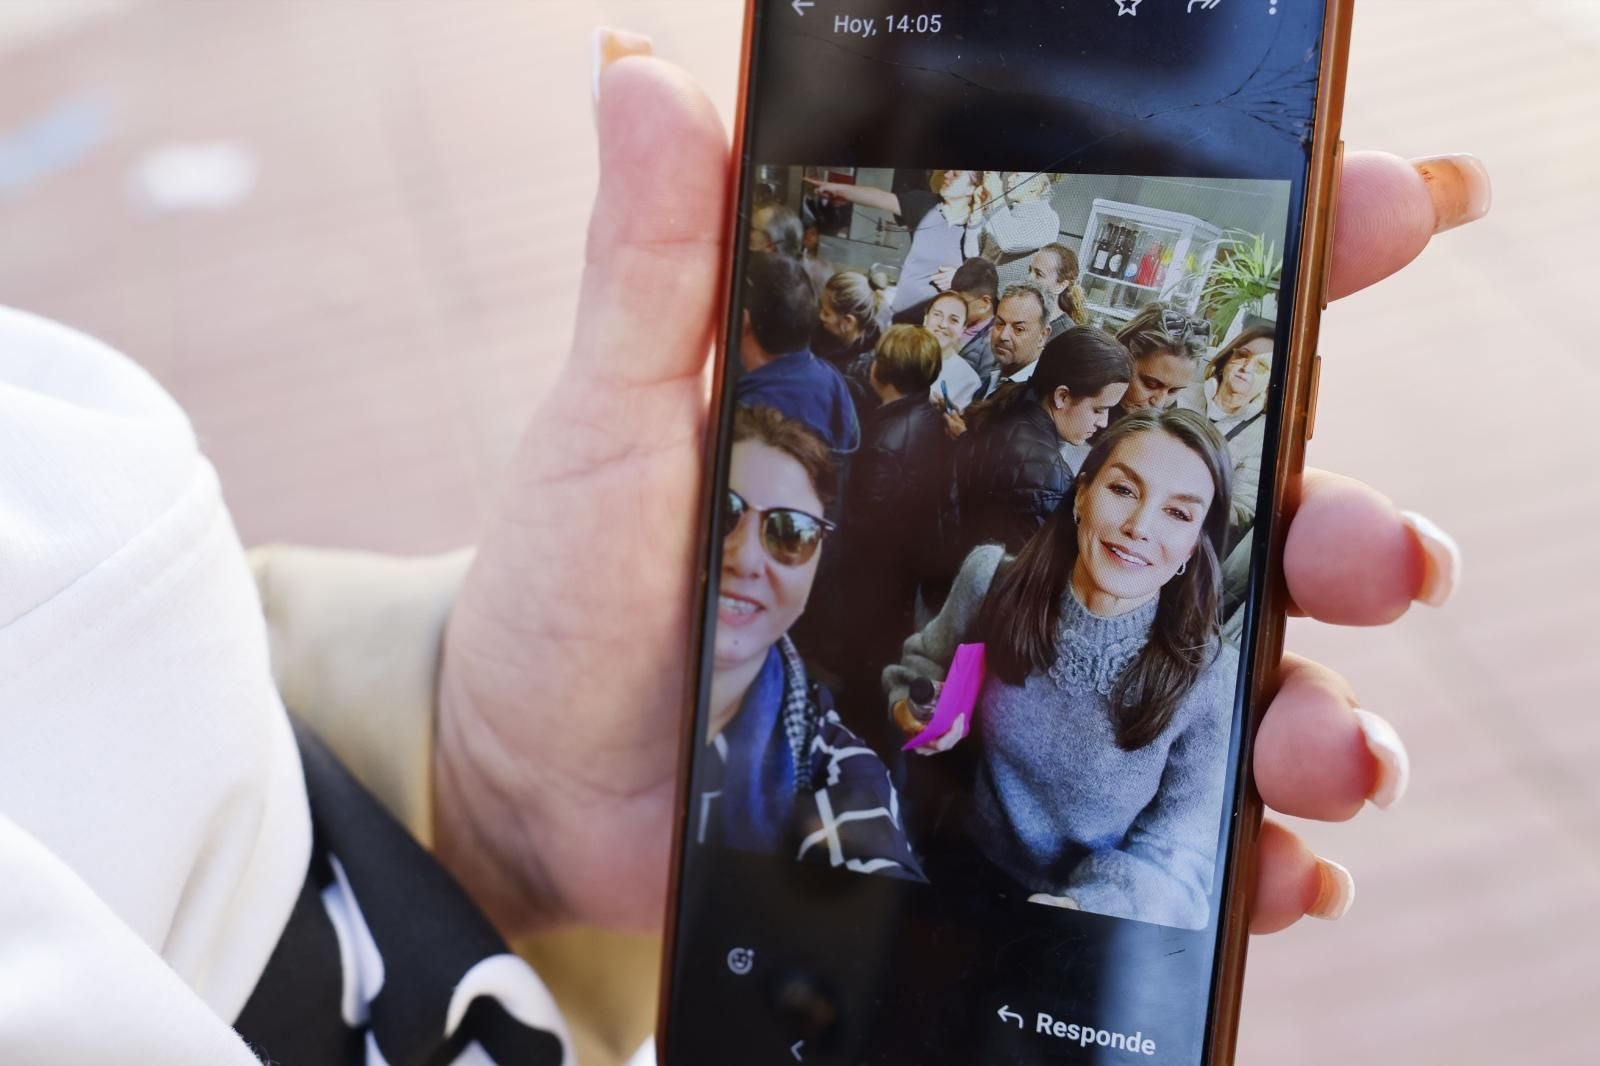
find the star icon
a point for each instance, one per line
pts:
(1128, 7)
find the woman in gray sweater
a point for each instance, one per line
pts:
(1102, 728)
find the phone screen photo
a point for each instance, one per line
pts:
(997, 429)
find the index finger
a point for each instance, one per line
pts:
(1389, 209)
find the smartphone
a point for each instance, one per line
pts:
(967, 779)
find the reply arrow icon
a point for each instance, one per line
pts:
(1009, 1015)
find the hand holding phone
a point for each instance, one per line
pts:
(1091, 523)
(598, 859)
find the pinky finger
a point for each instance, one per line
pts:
(1292, 881)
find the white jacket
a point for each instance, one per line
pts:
(1246, 434)
(154, 832)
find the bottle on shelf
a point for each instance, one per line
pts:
(1103, 262)
(1102, 251)
(1119, 255)
(1137, 274)
(1130, 266)
(1149, 265)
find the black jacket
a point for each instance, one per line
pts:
(1010, 476)
(854, 361)
(899, 482)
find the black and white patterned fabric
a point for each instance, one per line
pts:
(799, 712)
(385, 961)
(846, 811)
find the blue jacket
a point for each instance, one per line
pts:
(803, 387)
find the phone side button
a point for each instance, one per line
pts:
(1316, 391)
(1333, 217)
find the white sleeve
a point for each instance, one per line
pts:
(145, 746)
(965, 390)
(80, 987)
(1023, 227)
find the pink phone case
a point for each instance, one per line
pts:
(959, 695)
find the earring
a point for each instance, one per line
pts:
(1184, 569)
(1077, 519)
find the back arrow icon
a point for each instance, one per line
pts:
(795, 1051)
(1009, 1015)
(801, 5)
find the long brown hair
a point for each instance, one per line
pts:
(1022, 612)
(1082, 360)
(1073, 302)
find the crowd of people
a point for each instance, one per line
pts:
(967, 461)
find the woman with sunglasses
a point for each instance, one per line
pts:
(790, 777)
(1101, 732)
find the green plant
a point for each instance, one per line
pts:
(1247, 269)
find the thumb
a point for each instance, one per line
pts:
(651, 281)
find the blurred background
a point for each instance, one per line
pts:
(347, 234)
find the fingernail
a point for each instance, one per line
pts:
(611, 45)
(1337, 893)
(1460, 188)
(1443, 572)
(1394, 764)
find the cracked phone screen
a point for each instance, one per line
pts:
(1000, 396)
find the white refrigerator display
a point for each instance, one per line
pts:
(1133, 256)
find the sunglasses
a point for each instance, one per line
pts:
(1182, 328)
(791, 537)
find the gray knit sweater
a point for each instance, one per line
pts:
(1057, 804)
